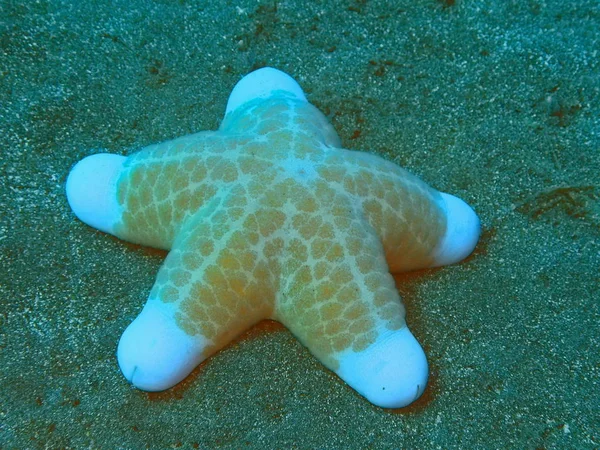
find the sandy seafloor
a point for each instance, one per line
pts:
(497, 102)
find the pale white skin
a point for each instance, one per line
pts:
(154, 354)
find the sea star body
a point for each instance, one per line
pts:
(269, 218)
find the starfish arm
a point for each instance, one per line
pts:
(212, 286)
(339, 299)
(418, 226)
(164, 185)
(146, 197)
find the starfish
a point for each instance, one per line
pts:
(269, 218)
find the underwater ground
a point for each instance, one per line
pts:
(496, 101)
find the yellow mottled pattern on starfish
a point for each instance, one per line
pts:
(272, 220)
(269, 217)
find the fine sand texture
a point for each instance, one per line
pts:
(495, 101)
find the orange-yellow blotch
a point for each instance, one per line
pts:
(250, 165)
(389, 311)
(338, 210)
(196, 310)
(348, 294)
(162, 190)
(198, 173)
(251, 224)
(206, 248)
(269, 220)
(236, 197)
(365, 263)
(253, 238)
(178, 146)
(228, 261)
(335, 253)
(318, 248)
(186, 324)
(321, 268)
(237, 241)
(306, 225)
(362, 185)
(308, 315)
(196, 291)
(213, 275)
(326, 290)
(209, 330)
(169, 294)
(127, 222)
(307, 204)
(297, 250)
(151, 216)
(377, 189)
(280, 110)
(306, 149)
(180, 182)
(273, 198)
(136, 175)
(178, 215)
(342, 341)
(331, 310)
(326, 231)
(355, 310)
(191, 260)
(332, 173)
(247, 259)
(383, 296)
(165, 213)
(273, 247)
(280, 138)
(387, 184)
(361, 325)
(180, 277)
(188, 164)
(302, 277)
(237, 283)
(169, 171)
(374, 280)
(235, 213)
(392, 197)
(324, 192)
(335, 326)
(225, 171)
(133, 204)
(220, 316)
(354, 245)
(360, 343)
(219, 221)
(349, 184)
(182, 201)
(229, 300)
(341, 275)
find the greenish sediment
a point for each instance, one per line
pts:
(496, 102)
